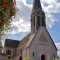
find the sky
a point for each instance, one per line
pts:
(21, 24)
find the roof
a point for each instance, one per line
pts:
(25, 39)
(33, 36)
(11, 43)
(52, 40)
(30, 40)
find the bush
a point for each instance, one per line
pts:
(27, 58)
(57, 58)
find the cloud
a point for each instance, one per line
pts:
(50, 7)
(58, 47)
(20, 26)
(50, 20)
(24, 10)
(22, 21)
(49, 1)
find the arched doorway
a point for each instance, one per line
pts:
(42, 57)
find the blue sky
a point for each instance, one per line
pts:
(21, 24)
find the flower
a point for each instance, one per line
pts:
(1, 22)
(10, 7)
(5, 5)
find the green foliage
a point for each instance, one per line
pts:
(57, 58)
(27, 58)
(7, 10)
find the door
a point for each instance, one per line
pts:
(42, 57)
(20, 58)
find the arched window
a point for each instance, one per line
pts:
(33, 54)
(8, 52)
(34, 21)
(38, 22)
(43, 21)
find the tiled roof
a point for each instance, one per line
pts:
(11, 43)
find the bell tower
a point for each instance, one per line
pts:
(37, 17)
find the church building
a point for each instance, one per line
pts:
(38, 44)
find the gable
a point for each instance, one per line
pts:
(43, 36)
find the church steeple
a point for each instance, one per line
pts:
(36, 4)
(37, 16)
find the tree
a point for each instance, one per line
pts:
(7, 11)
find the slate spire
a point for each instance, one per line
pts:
(37, 16)
(36, 4)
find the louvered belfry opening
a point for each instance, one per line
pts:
(37, 17)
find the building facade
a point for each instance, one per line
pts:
(2, 55)
(38, 44)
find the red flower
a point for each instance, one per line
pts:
(10, 6)
(5, 5)
(1, 23)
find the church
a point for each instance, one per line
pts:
(38, 44)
